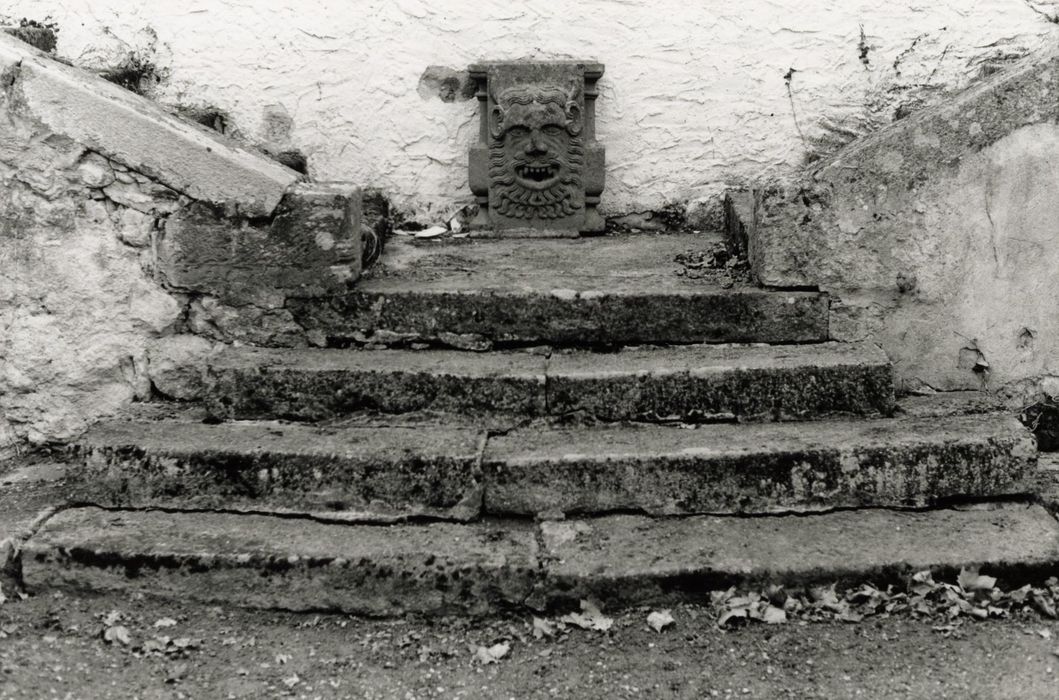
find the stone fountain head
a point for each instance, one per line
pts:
(537, 168)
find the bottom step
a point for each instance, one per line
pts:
(300, 564)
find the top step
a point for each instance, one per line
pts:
(608, 291)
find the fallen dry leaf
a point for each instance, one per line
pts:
(543, 628)
(112, 618)
(493, 654)
(659, 620)
(1042, 605)
(970, 580)
(774, 616)
(117, 633)
(156, 645)
(590, 618)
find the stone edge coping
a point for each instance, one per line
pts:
(141, 135)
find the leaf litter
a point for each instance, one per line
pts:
(946, 605)
(974, 596)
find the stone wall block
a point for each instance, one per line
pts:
(176, 365)
(312, 247)
(936, 233)
(248, 324)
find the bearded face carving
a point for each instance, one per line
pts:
(537, 164)
(536, 153)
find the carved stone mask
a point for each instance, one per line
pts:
(536, 153)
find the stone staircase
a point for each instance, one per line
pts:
(501, 423)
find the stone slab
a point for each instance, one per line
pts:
(311, 247)
(630, 559)
(610, 290)
(310, 384)
(696, 383)
(757, 468)
(366, 473)
(287, 563)
(141, 135)
(689, 383)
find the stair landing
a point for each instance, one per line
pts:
(612, 290)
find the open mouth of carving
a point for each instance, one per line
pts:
(537, 176)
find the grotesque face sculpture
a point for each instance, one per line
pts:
(536, 153)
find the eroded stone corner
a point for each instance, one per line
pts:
(29, 497)
(311, 246)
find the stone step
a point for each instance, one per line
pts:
(382, 469)
(687, 383)
(610, 291)
(757, 468)
(300, 564)
(379, 472)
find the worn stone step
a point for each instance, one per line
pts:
(612, 290)
(374, 471)
(628, 559)
(757, 468)
(299, 564)
(689, 383)
(386, 469)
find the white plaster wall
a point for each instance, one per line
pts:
(694, 95)
(987, 280)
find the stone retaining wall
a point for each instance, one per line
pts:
(119, 225)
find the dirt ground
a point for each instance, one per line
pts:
(68, 646)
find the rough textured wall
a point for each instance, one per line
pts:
(86, 235)
(938, 235)
(77, 311)
(696, 94)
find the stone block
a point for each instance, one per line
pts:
(140, 134)
(935, 235)
(283, 563)
(623, 560)
(692, 383)
(176, 365)
(378, 473)
(311, 247)
(313, 384)
(764, 468)
(704, 382)
(253, 324)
